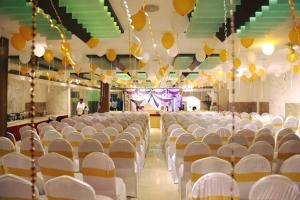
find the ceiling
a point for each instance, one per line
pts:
(107, 20)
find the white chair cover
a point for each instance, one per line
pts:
(291, 169)
(266, 138)
(224, 133)
(249, 170)
(66, 187)
(88, 146)
(88, 131)
(274, 187)
(62, 147)
(49, 136)
(123, 153)
(28, 134)
(99, 171)
(67, 130)
(214, 142)
(99, 127)
(239, 139)
(215, 186)
(104, 140)
(287, 150)
(111, 132)
(14, 187)
(232, 152)
(53, 165)
(25, 148)
(75, 139)
(79, 126)
(250, 134)
(262, 148)
(264, 130)
(290, 136)
(199, 133)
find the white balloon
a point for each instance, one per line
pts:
(251, 57)
(25, 57)
(39, 50)
(173, 52)
(200, 55)
(179, 23)
(145, 57)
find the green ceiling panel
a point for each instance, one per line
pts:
(20, 10)
(270, 17)
(182, 62)
(210, 62)
(207, 17)
(94, 16)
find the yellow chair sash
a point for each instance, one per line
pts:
(284, 156)
(2, 170)
(192, 158)
(138, 138)
(268, 157)
(55, 172)
(294, 176)
(56, 198)
(18, 171)
(98, 172)
(172, 138)
(67, 154)
(46, 142)
(180, 146)
(105, 145)
(195, 176)
(231, 159)
(250, 177)
(5, 151)
(216, 198)
(82, 155)
(214, 146)
(122, 154)
(28, 153)
(75, 143)
(112, 137)
(199, 139)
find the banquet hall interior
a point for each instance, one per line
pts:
(149, 99)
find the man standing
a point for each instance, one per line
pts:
(80, 107)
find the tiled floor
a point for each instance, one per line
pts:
(155, 182)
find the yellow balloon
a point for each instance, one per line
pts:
(219, 73)
(223, 55)
(252, 68)
(109, 72)
(168, 40)
(247, 42)
(261, 72)
(208, 51)
(48, 56)
(101, 77)
(141, 64)
(92, 42)
(237, 63)
(294, 35)
(18, 42)
(26, 32)
(111, 55)
(139, 20)
(244, 78)
(296, 69)
(184, 7)
(292, 57)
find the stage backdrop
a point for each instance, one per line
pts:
(155, 99)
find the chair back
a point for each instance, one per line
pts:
(104, 140)
(14, 187)
(99, 171)
(67, 130)
(75, 138)
(215, 186)
(266, 137)
(25, 148)
(88, 131)
(66, 187)
(292, 123)
(6, 146)
(111, 132)
(277, 122)
(199, 133)
(62, 147)
(250, 134)
(117, 126)
(99, 127)
(45, 128)
(123, 153)
(129, 137)
(88, 146)
(288, 137)
(262, 148)
(25, 128)
(239, 139)
(182, 141)
(274, 187)
(49, 136)
(224, 133)
(53, 165)
(248, 170)
(291, 169)
(264, 130)
(28, 134)
(192, 127)
(214, 142)
(79, 126)
(59, 127)
(232, 152)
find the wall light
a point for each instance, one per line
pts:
(267, 48)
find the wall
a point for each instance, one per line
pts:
(278, 91)
(58, 100)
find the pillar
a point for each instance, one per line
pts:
(3, 84)
(104, 97)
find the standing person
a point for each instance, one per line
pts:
(80, 107)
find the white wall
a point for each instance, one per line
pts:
(275, 90)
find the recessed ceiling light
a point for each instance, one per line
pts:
(151, 8)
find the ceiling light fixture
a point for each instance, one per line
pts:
(268, 48)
